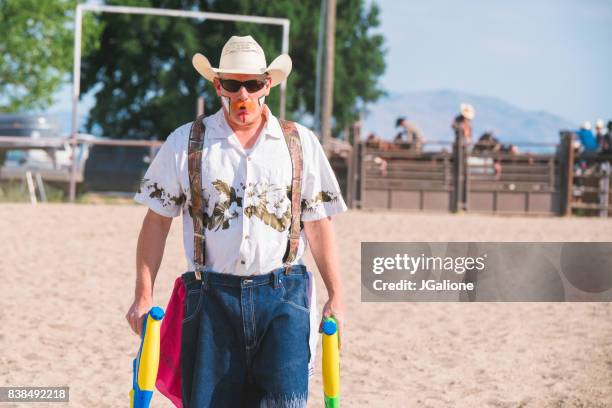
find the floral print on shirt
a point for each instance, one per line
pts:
(154, 190)
(268, 202)
(220, 205)
(312, 205)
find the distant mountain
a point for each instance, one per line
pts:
(434, 111)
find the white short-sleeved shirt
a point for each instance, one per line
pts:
(245, 195)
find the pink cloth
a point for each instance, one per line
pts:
(169, 373)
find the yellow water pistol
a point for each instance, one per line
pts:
(146, 363)
(331, 363)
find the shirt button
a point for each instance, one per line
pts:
(246, 237)
(249, 158)
(242, 262)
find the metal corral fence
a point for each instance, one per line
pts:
(404, 179)
(519, 183)
(586, 183)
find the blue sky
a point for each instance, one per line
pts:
(546, 55)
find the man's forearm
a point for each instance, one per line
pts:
(149, 254)
(322, 241)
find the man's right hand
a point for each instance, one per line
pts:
(136, 313)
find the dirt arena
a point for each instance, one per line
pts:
(67, 276)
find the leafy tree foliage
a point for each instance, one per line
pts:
(36, 40)
(145, 85)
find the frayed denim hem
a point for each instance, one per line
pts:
(284, 401)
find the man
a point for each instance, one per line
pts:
(249, 332)
(587, 138)
(600, 135)
(409, 133)
(462, 125)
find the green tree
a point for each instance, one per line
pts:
(145, 85)
(36, 40)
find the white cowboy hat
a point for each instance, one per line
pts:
(242, 55)
(467, 111)
(586, 125)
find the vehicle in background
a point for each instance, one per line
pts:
(35, 127)
(100, 168)
(45, 152)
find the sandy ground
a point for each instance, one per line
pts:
(67, 276)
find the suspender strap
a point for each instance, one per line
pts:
(292, 137)
(194, 157)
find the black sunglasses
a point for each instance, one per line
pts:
(252, 85)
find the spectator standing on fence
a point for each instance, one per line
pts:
(600, 133)
(587, 138)
(409, 133)
(462, 125)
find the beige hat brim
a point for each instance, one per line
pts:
(278, 70)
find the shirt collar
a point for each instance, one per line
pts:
(223, 130)
(272, 127)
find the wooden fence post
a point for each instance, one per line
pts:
(361, 174)
(354, 139)
(604, 188)
(458, 174)
(566, 173)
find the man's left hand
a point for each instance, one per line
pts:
(334, 307)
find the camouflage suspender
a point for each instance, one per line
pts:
(292, 137)
(194, 155)
(194, 161)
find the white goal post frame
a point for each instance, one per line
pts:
(76, 75)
